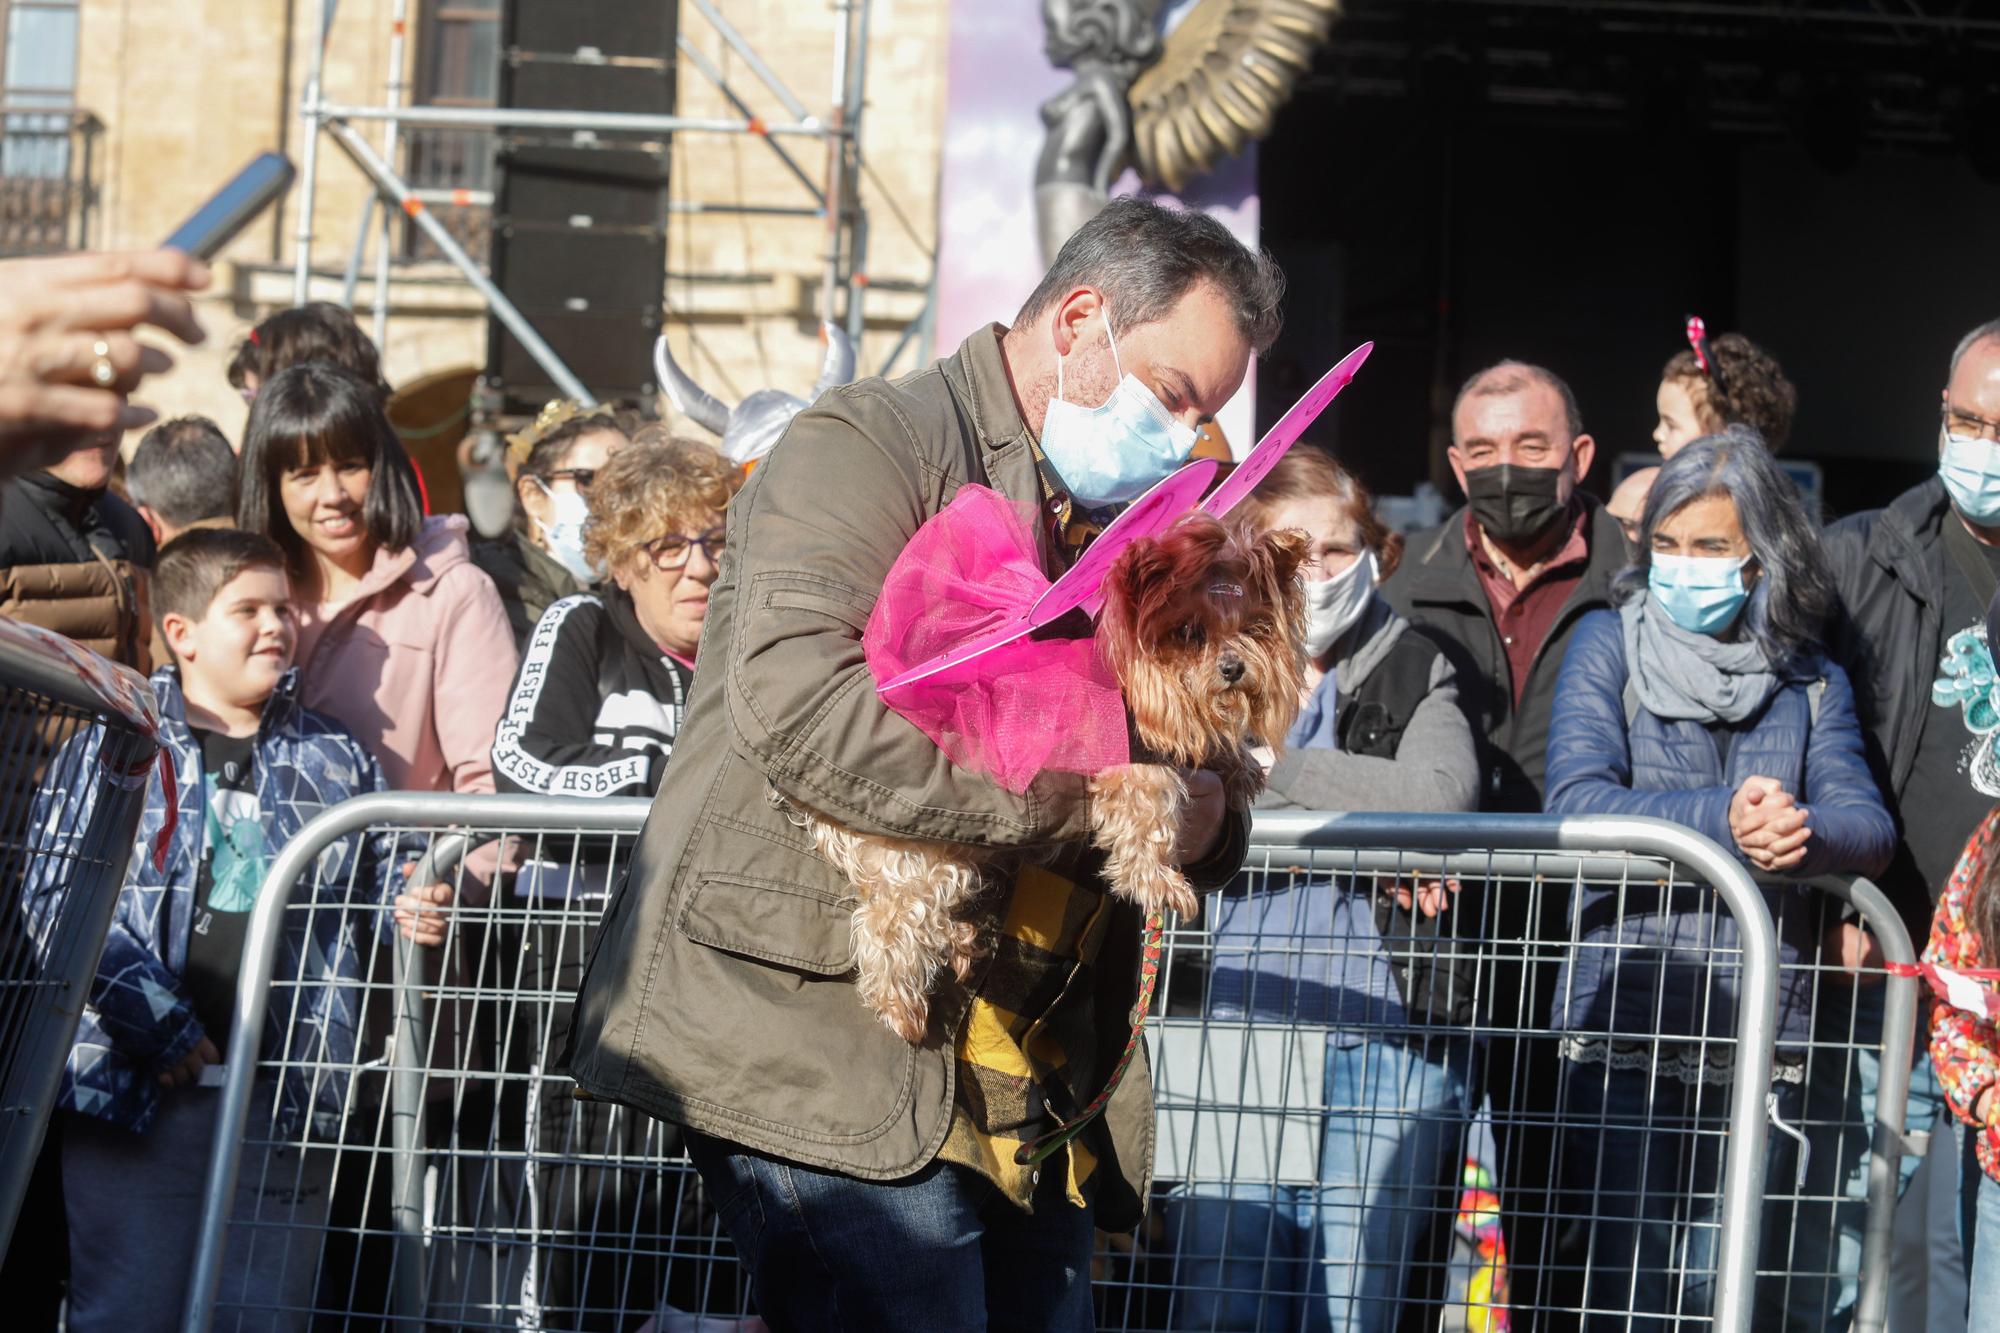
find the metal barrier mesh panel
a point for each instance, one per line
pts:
(1509, 1113)
(49, 945)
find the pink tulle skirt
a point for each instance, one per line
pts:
(1016, 710)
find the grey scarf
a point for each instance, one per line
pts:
(1680, 675)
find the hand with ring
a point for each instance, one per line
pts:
(68, 357)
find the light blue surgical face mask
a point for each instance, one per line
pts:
(562, 535)
(1970, 470)
(1113, 452)
(1703, 594)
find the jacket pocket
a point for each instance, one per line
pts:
(779, 591)
(777, 923)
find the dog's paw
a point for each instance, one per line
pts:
(1172, 892)
(1158, 887)
(1242, 781)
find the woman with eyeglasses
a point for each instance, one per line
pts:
(605, 676)
(602, 694)
(541, 561)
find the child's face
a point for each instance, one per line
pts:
(1681, 422)
(243, 643)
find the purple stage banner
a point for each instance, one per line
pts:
(988, 261)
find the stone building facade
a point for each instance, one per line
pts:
(188, 91)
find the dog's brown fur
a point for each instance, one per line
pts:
(1204, 627)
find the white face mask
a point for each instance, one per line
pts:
(562, 535)
(1113, 452)
(1333, 605)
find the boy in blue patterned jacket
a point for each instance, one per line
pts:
(141, 1090)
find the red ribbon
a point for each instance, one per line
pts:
(170, 793)
(1697, 332)
(1924, 970)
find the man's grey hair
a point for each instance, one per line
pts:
(1505, 377)
(184, 471)
(1143, 258)
(1989, 331)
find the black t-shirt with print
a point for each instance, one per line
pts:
(1956, 777)
(233, 860)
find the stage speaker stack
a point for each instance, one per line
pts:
(580, 220)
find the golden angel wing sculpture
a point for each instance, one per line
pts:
(1223, 73)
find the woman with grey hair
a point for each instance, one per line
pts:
(1705, 699)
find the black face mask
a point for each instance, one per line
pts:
(1515, 504)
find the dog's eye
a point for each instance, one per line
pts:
(1191, 635)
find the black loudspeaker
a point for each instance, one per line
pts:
(580, 219)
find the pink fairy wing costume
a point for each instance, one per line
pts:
(970, 578)
(951, 645)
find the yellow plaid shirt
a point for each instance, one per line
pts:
(1027, 1050)
(1026, 1053)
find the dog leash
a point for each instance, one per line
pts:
(1037, 1151)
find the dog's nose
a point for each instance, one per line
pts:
(1231, 667)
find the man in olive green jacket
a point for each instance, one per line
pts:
(720, 992)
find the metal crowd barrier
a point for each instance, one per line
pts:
(1436, 1152)
(54, 694)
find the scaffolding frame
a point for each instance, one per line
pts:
(836, 197)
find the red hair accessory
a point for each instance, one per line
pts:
(1697, 338)
(254, 340)
(1697, 335)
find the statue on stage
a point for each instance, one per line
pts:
(1170, 106)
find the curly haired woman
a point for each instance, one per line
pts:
(604, 678)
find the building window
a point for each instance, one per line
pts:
(47, 193)
(458, 64)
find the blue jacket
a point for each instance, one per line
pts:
(140, 1020)
(1671, 770)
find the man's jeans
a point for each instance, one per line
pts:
(1824, 1266)
(1335, 1259)
(937, 1252)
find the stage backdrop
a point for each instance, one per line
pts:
(997, 81)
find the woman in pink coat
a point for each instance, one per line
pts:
(401, 637)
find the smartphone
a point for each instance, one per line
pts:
(233, 207)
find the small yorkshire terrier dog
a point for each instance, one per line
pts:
(1204, 627)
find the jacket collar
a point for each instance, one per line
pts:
(983, 371)
(618, 606)
(1362, 648)
(1441, 566)
(439, 545)
(57, 497)
(1006, 452)
(544, 568)
(1444, 573)
(278, 709)
(1912, 525)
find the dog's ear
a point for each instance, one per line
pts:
(1286, 549)
(1128, 587)
(1276, 559)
